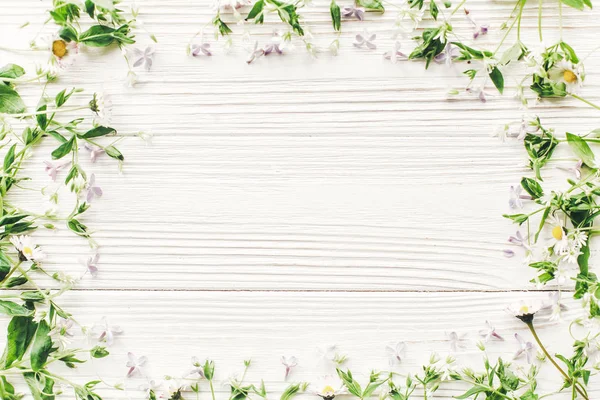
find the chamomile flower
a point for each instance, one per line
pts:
(525, 311)
(558, 234)
(63, 53)
(28, 250)
(568, 73)
(328, 387)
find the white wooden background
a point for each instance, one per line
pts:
(295, 202)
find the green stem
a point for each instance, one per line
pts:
(212, 389)
(564, 374)
(509, 30)
(458, 7)
(589, 103)
(21, 115)
(12, 270)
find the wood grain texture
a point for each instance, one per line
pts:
(347, 176)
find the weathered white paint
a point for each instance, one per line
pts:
(346, 174)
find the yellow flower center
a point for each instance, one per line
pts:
(27, 251)
(569, 76)
(59, 48)
(524, 310)
(328, 389)
(557, 232)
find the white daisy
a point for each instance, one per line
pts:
(328, 387)
(27, 249)
(63, 53)
(568, 73)
(558, 235)
(524, 310)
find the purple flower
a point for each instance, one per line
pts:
(396, 352)
(575, 169)
(516, 197)
(479, 92)
(365, 39)
(456, 341)
(288, 363)
(254, 53)
(92, 189)
(490, 332)
(143, 58)
(478, 30)
(197, 367)
(349, 12)
(203, 48)
(449, 54)
(95, 151)
(135, 364)
(91, 264)
(395, 54)
(508, 253)
(276, 45)
(525, 348)
(52, 169)
(106, 332)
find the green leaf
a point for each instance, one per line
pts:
(14, 309)
(99, 352)
(42, 346)
(584, 257)
(10, 101)
(532, 187)
(113, 152)
(9, 158)
(497, 79)
(63, 149)
(42, 386)
(12, 71)
(42, 119)
(578, 4)
(5, 266)
(97, 132)
(433, 9)
(77, 227)
(581, 149)
(471, 392)
(256, 12)
(572, 56)
(103, 36)
(20, 333)
(336, 16)
(517, 218)
(373, 5)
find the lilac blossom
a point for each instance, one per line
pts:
(449, 54)
(508, 253)
(91, 265)
(106, 332)
(349, 12)
(92, 189)
(479, 92)
(203, 48)
(555, 306)
(288, 363)
(254, 53)
(478, 30)
(135, 364)
(457, 341)
(525, 348)
(396, 352)
(52, 169)
(95, 151)
(365, 39)
(395, 54)
(197, 367)
(516, 198)
(143, 58)
(490, 332)
(575, 169)
(276, 45)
